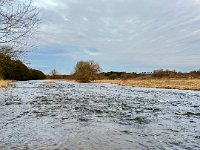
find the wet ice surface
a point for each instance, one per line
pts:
(61, 115)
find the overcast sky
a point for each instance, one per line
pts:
(121, 35)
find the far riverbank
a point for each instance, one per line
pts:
(181, 84)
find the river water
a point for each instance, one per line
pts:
(72, 116)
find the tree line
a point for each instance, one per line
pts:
(16, 70)
(87, 71)
(155, 74)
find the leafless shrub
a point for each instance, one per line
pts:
(86, 71)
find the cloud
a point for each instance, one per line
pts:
(113, 32)
(45, 4)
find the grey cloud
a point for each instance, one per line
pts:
(142, 31)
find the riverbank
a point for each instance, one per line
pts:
(4, 83)
(181, 84)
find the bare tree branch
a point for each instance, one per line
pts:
(18, 21)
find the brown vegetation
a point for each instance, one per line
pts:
(86, 71)
(182, 84)
(4, 83)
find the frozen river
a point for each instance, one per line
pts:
(73, 116)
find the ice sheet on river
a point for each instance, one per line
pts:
(61, 115)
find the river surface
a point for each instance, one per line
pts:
(72, 116)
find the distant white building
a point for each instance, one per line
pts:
(147, 73)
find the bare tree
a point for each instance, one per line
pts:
(53, 73)
(86, 71)
(18, 21)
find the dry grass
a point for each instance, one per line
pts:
(4, 83)
(182, 84)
